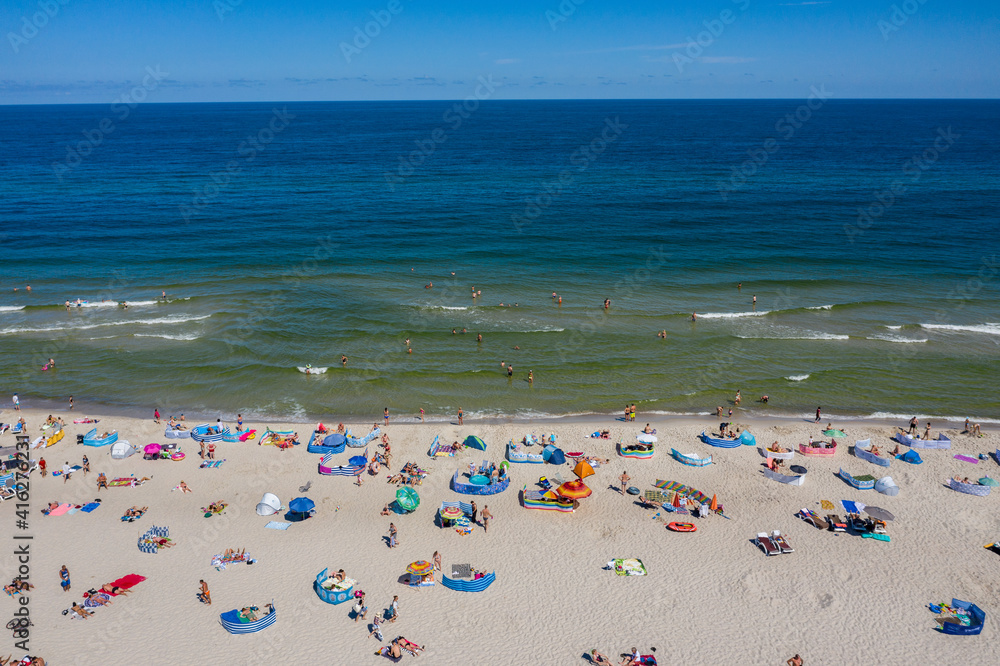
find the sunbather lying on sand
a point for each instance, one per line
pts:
(392, 650)
(81, 611)
(410, 646)
(114, 589)
(395, 478)
(599, 659)
(100, 599)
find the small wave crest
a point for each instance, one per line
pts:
(176, 319)
(811, 336)
(896, 338)
(819, 307)
(988, 328)
(797, 378)
(166, 337)
(11, 308)
(733, 315)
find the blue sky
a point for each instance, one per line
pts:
(94, 51)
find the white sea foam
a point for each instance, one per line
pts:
(812, 336)
(819, 307)
(98, 304)
(896, 338)
(140, 303)
(894, 328)
(889, 416)
(11, 308)
(172, 337)
(797, 378)
(732, 315)
(175, 319)
(988, 328)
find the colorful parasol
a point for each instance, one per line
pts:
(420, 568)
(407, 498)
(451, 513)
(574, 490)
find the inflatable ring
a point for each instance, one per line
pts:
(682, 527)
(633, 490)
(179, 455)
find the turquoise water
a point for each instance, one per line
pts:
(282, 245)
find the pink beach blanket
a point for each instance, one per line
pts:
(60, 510)
(974, 461)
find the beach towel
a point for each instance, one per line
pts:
(60, 510)
(826, 505)
(211, 463)
(120, 481)
(852, 507)
(974, 461)
(629, 567)
(127, 582)
(276, 525)
(87, 508)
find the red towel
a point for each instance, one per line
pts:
(129, 581)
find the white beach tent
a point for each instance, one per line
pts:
(887, 486)
(269, 505)
(122, 449)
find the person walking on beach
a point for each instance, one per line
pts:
(475, 510)
(71, 403)
(360, 610)
(156, 415)
(461, 416)
(436, 559)
(624, 478)
(64, 578)
(86, 465)
(421, 414)
(394, 610)
(41, 466)
(392, 536)
(927, 431)
(204, 595)
(385, 415)
(486, 518)
(913, 426)
(376, 628)
(67, 472)
(17, 403)
(211, 450)
(202, 452)
(818, 410)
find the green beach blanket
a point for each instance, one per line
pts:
(629, 567)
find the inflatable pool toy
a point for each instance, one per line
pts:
(177, 455)
(682, 527)
(633, 490)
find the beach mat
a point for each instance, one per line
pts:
(826, 505)
(127, 582)
(87, 508)
(974, 461)
(211, 463)
(121, 481)
(60, 510)
(277, 525)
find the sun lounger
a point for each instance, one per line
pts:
(812, 517)
(779, 540)
(765, 542)
(837, 524)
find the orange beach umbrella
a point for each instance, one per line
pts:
(574, 490)
(714, 506)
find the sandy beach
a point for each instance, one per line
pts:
(711, 597)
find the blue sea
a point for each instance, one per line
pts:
(295, 234)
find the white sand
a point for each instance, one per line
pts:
(710, 598)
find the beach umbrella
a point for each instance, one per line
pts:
(407, 498)
(987, 481)
(301, 505)
(676, 502)
(358, 460)
(550, 494)
(420, 568)
(451, 513)
(834, 433)
(574, 490)
(879, 513)
(474, 442)
(714, 506)
(646, 438)
(151, 449)
(583, 469)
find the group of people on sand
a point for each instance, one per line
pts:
(630, 412)
(632, 658)
(26, 660)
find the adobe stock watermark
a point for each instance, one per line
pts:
(562, 13)
(48, 9)
(121, 109)
(223, 7)
(913, 169)
(713, 30)
(786, 126)
(899, 15)
(372, 29)
(452, 118)
(581, 158)
(248, 150)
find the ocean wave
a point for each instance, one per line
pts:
(988, 328)
(11, 308)
(166, 337)
(896, 338)
(797, 378)
(175, 319)
(132, 304)
(733, 315)
(889, 416)
(99, 304)
(814, 336)
(894, 328)
(424, 306)
(819, 307)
